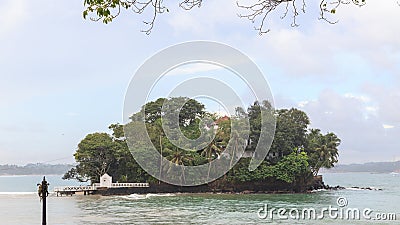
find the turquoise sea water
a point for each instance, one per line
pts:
(19, 204)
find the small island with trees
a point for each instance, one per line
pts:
(292, 164)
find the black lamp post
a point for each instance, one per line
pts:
(43, 192)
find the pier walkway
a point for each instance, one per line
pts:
(71, 190)
(105, 183)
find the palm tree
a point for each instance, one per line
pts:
(238, 145)
(324, 151)
(179, 158)
(330, 151)
(211, 152)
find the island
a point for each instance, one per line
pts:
(296, 154)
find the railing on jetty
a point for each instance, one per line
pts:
(70, 190)
(120, 185)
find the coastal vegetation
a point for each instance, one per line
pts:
(296, 155)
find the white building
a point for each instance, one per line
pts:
(106, 180)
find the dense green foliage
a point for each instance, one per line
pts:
(101, 153)
(300, 152)
(287, 169)
(322, 150)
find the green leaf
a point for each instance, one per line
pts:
(100, 11)
(85, 13)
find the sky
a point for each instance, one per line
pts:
(63, 77)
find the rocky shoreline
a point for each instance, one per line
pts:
(272, 187)
(320, 185)
(266, 187)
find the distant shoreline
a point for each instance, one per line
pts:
(60, 169)
(360, 172)
(34, 169)
(24, 175)
(370, 167)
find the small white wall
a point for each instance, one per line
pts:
(105, 181)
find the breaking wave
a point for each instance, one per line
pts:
(145, 196)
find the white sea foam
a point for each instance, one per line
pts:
(134, 197)
(145, 196)
(318, 190)
(159, 195)
(363, 189)
(354, 189)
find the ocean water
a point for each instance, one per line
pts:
(19, 204)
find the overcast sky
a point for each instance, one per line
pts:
(63, 77)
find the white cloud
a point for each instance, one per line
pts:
(72, 114)
(312, 57)
(211, 17)
(386, 126)
(374, 32)
(366, 36)
(193, 68)
(302, 104)
(364, 135)
(12, 14)
(362, 98)
(376, 22)
(387, 100)
(371, 109)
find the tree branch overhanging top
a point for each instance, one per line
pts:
(257, 11)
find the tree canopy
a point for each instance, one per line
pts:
(255, 11)
(301, 151)
(100, 153)
(322, 150)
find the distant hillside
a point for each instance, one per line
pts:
(34, 169)
(39, 168)
(372, 167)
